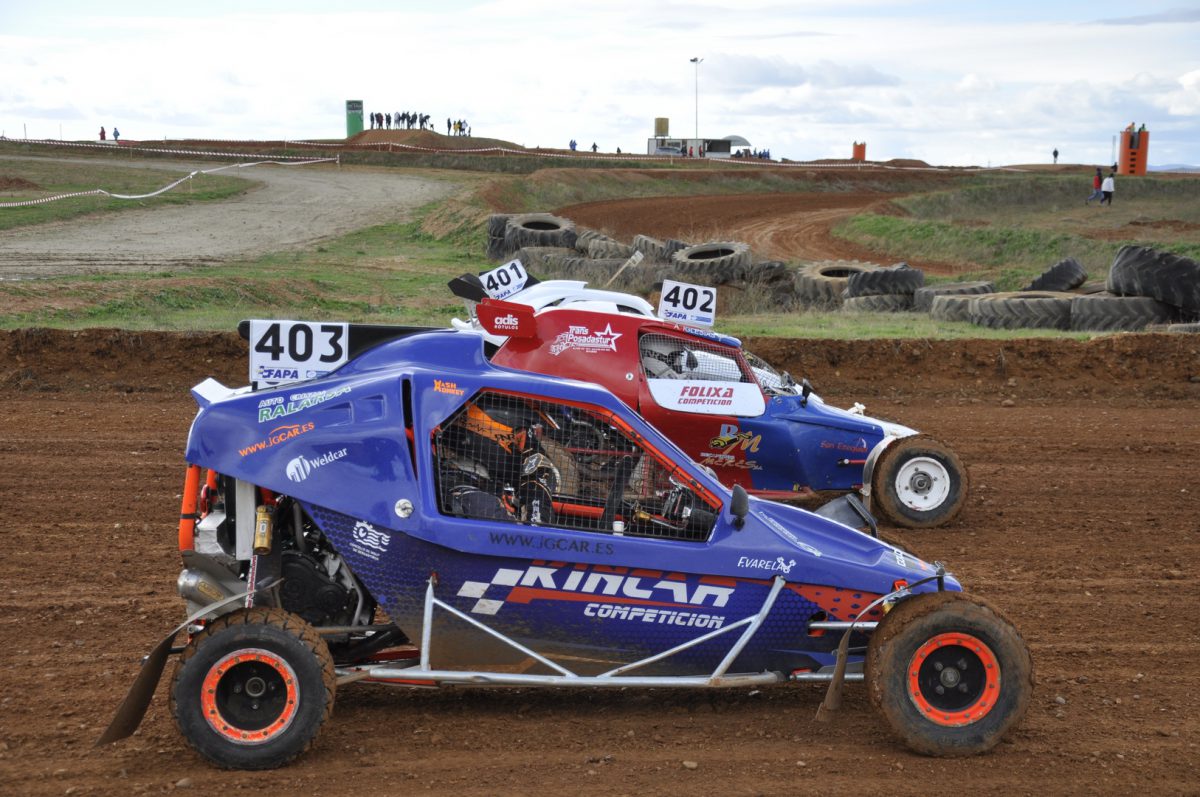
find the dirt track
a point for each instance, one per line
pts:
(292, 206)
(1081, 526)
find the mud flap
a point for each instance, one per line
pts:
(850, 511)
(133, 708)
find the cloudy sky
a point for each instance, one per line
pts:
(955, 83)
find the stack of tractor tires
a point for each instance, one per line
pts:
(820, 285)
(538, 229)
(1151, 287)
(923, 297)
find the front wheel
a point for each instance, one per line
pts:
(918, 483)
(949, 674)
(252, 690)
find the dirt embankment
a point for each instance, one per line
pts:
(1144, 365)
(1081, 525)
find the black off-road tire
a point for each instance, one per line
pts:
(880, 303)
(584, 238)
(609, 249)
(918, 483)
(821, 284)
(652, 248)
(497, 248)
(719, 262)
(898, 279)
(1062, 276)
(497, 223)
(534, 257)
(1104, 312)
(770, 272)
(671, 246)
(923, 297)
(252, 690)
(539, 229)
(1170, 278)
(582, 268)
(952, 307)
(1021, 310)
(966, 648)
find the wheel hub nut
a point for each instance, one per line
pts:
(950, 677)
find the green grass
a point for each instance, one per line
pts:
(391, 273)
(54, 177)
(839, 325)
(1013, 227)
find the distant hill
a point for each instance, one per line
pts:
(1173, 167)
(428, 138)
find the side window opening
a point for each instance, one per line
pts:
(671, 357)
(520, 459)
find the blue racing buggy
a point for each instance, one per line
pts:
(524, 530)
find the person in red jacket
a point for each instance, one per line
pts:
(1096, 192)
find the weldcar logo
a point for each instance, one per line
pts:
(300, 467)
(610, 585)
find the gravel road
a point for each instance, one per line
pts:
(289, 207)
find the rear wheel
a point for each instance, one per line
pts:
(252, 690)
(950, 675)
(919, 482)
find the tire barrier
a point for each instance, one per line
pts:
(923, 297)
(1106, 312)
(1064, 275)
(720, 262)
(1021, 310)
(821, 284)
(1170, 278)
(897, 279)
(951, 307)
(878, 303)
(609, 248)
(538, 229)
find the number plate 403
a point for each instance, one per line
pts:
(293, 351)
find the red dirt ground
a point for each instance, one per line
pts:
(1081, 525)
(790, 227)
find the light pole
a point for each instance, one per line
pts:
(697, 62)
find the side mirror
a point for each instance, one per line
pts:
(805, 392)
(739, 506)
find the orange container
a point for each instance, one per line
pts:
(1135, 150)
(860, 151)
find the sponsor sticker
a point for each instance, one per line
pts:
(280, 434)
(608, 584)
(776, 565)
(449, 388)
(366, 540)
(276, 407)
(708, 397)
(300, 468)
(581, 338)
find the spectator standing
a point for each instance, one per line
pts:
(388, 119)
(1106, 187)
(1055, 154)
(1097, 180)
(448, 125)
(594, 147)
(116, 135)
(102, 134)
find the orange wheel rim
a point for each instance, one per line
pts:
(250, 696)
(954, 679)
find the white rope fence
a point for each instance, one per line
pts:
(280, 161)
